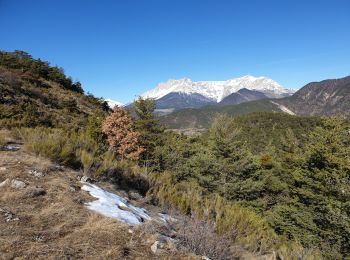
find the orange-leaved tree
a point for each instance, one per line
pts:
(121, 135)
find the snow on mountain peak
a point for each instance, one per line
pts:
(215, 90)
(112, 103)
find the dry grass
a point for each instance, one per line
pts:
(199, 236)
(57, 225)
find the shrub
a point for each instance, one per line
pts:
(87, 159)
(121, 136)
(55, 144)
(188, 197)
(199, 236)
(80, 150)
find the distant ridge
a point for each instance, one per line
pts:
(217, 90)
(326, 98)
(185, 93)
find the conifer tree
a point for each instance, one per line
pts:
(147, 125)
(232, 153)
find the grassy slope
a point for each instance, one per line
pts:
(57, 225)
(42, 102)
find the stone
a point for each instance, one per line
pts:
(36, 192)
(38, 238)
(133, 195)
(9, 216)
(86, 179)
(11, 147)
(2, 169)
(16, 184)
(5, 183)
(166, 242)
(122, 207)
(36, 173)
(163, 243)
(155, 247)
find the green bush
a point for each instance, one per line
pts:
(55, 144)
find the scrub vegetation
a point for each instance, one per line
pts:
(271, 183)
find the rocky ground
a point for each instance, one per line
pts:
(43, 215)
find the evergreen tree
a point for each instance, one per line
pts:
(231, 152)
(147, 125)
(94, 129)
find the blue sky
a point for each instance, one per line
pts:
(119, 49)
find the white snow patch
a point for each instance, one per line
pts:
(114, 206)
(283, 108)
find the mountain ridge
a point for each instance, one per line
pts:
(216, 90)
(325, 98)
(242, 95)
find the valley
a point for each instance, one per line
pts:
(264, 178)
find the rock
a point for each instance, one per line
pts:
(134, 195)
(36, 173)
(2, 169)
(205, 258)
(16, 184)
(8, 215)
(167, 242)
(5, 183)
(36, 192)
(155, 247)
(11, 147)
(163, 243)
(86, 179)
(122, 207)
(38, 238)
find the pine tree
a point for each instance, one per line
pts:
(231, 152)
(121, 136)
(147, 125)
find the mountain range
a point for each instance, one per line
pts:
(185, 93)
(324, 98)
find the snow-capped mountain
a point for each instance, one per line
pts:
(218, 90)
(112, 103)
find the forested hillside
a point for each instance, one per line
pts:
(292, 171)
(203, 117)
